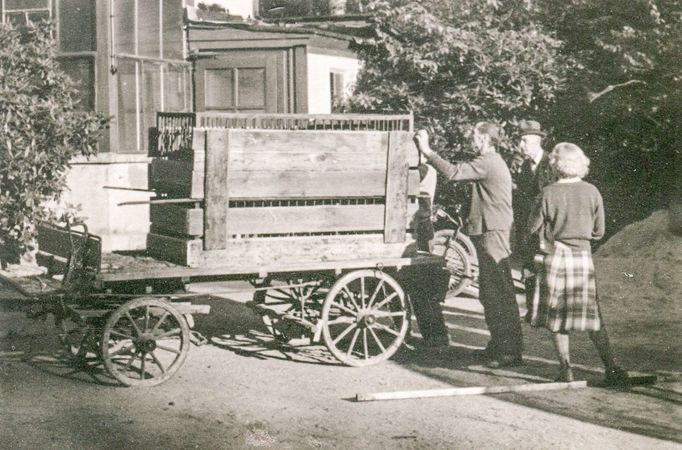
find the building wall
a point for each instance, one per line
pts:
(121, 227)
(319, 89)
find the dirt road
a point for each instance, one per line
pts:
(244, 391)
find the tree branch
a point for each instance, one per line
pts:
(595, 95)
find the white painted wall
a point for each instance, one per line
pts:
(89, 186)
(319, 68)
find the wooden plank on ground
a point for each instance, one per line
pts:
(216, 189)
(396, 188)
(177, 220)
(473, 390)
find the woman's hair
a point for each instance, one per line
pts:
(569, 161)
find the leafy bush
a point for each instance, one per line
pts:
(455, 63)
(42, 131)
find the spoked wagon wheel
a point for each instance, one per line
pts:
(365, 317)
(145, 341)
(297, 299)
(80, 337)
(80, 340)
(458, 261)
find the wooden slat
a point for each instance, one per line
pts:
(216, 189)
(280, 252)
(177, 220)
(311, 219)
(176, 250)
(232, 268)
(176, 178)
(396, 189)
(253, 149)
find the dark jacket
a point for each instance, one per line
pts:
(491, 195)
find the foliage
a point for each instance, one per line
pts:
(455, 63)
(604, 74)
(624, 105)
(43, 129)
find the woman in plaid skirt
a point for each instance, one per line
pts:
(566, 218)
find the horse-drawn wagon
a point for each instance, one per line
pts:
(317, 212)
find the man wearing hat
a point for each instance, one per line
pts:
(535, 174)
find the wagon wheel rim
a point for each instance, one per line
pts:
(457, 261)
(365, 318)
(145, 342)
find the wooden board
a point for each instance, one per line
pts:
(396, 188)
(301, 219)
(216, 183)
(277, 251)
(175, 250)
(123, 272)
(473, 390)
(264, 252)
(310, 219)
(56, 241)
(177, 220)
(179, 179)
(176, 178)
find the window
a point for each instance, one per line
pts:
(336, 90)
(82, 71)
(152, 76)
(235, 89)
(77, 38)
(20, 12)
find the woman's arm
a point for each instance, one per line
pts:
(599, 226)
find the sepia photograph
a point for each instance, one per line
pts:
(339, 224)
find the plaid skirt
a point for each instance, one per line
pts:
(567, 297)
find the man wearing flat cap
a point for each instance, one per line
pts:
(535, 174)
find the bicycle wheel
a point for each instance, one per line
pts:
(458, 262)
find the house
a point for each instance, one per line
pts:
(134, 58)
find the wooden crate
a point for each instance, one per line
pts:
(272, 196)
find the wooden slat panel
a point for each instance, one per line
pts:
(396, 190)
(305, 219)
(177, 220)
(216, 189)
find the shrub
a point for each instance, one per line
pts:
(43, 129)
